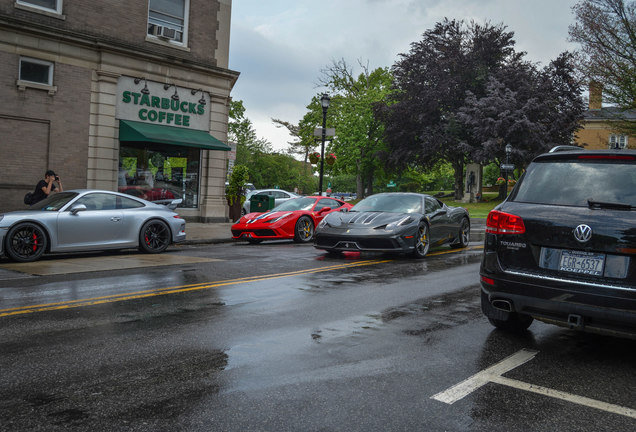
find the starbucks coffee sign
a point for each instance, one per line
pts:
(162, 104)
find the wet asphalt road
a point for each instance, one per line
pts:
(281, 337)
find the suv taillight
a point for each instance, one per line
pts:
(504, 223)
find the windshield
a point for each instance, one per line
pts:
(393, 203)
(53, 202)
(304, 203)
(574, 183)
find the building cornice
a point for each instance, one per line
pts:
(104, 44)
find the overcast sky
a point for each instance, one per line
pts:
(280, 46)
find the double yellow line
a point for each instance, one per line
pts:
(194, 287)
(173, 290)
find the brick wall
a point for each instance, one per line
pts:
(124, 22)
(41, 131)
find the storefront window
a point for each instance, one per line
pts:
(159, 172)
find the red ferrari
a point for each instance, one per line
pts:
(293, 219)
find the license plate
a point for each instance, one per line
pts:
(582, 262)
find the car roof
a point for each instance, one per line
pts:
(581, 153)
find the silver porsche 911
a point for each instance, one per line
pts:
(83, 220)
(394, 222)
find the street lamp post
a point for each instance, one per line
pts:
(324, 102)
(508, 151)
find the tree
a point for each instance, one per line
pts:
(430, 85)
(359, 139)
(606, 30)
(533, 110)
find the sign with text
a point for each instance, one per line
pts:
(328, 132)
(149, 102)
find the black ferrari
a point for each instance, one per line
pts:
(394, 222)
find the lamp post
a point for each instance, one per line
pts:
(324, 102)
(508, 151)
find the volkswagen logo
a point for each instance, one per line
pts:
(583, 233)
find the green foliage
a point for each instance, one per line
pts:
(236, 187)
(359, 140)
(491, 173)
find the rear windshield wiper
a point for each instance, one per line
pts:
(609, 205)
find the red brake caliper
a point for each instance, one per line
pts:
(35, 242)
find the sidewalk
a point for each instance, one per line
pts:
(202, 233)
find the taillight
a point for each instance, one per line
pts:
(504, 223)
(487, 280)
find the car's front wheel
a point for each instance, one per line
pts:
(422, 241)
(154, 237)
(26, 242)
(304, 231)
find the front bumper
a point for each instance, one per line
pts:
(365, 240)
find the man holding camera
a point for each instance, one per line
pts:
(46, 186)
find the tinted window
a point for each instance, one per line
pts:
(304, 203)
(331, 203)
(98, 201)
(575, 182)
(127, 203)
(390, 203)
(432, 205)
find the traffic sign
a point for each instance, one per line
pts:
(328, 132)
(507, 167)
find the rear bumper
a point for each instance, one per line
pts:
(601, 308)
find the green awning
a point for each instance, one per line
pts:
(148, 132)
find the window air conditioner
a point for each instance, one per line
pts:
(165, 32)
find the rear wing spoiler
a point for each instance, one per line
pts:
(170, 203)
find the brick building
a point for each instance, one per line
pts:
(117, 95)
(597, 131)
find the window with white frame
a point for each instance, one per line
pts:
(54, 6)
(36, 71)
(617, 141)
(168, 20)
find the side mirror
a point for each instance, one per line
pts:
(324, 210)
(344, 210)
(78, 208)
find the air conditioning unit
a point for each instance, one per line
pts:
(166, 32)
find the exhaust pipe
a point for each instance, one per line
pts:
(503, 305)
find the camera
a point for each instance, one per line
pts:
(57, 178)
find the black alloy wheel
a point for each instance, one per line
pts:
(463, 237)
(154, 237)
(304, 230)
(26, 242)
(422, 242)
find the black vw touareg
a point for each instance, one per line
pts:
(562, 247)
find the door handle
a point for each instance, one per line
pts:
(115, 219)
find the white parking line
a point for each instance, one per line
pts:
(471, 384)
(493, 375)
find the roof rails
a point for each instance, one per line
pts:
(561, 148)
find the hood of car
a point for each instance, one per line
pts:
(266, 217)
(369, 219)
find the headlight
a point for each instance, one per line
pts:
(322, 223)
(404, 221)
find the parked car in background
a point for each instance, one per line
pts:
(83, 220)
(279, 195)
(149, 194)
(394, 222)
(562, 247)
(293, 219)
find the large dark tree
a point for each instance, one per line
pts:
(606, 30)
(430, 86)
(532, 110)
